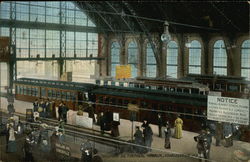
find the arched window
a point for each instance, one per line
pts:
(172, 59)
(133, 58)
(115, 57)
(150, 62)
(220, 58)
(245, 59)
(194, 57)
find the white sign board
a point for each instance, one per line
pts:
(116, 117)
(84, 121)
(225, 109)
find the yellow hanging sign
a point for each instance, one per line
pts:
(123, 71)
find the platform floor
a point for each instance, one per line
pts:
(185, 145)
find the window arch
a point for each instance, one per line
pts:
(220, 58)
(194, 65)
(115, 57)
(150, 62)
(172, 59)
(133, 58)
(245, 59)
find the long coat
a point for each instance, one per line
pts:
(139, 141)
(178, 128)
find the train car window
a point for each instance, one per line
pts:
(233, 88)
(63, 95)
(32, 93)
(112, 83)
(121, 84)
(147, 87)
(97, 82)
(68, 96)
(171, 89)
(155, 106)
(161, 107)
(134, 102)
(50, 93)
(142, 86)
(105, 82)
(160, 87)
(113, 101)
(194, 91)
(36, 92)
(53, 94)
(58, 95)
(137, 85)
(28, 91)
(106, 100)
(217, 86)
(131, 85)
(179, 90)
(125, 103)
(144, 104)
(186, 90)
(153, 87)
(73, 95)
(119, 102)
(100, 99)
(180, 110)
(223, 87)
(43, 92)
(21, 89)
(189, 111)
(17, 90)
(24, 90)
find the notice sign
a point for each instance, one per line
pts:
(225, 109)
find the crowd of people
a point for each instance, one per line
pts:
(143, 136)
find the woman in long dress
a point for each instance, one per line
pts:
(12, 140)
(178, 127)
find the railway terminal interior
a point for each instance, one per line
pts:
(96, 81)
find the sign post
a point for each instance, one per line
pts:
(226, 109)
(133, 109)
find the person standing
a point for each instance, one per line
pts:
(148, 139)
(138, 140)
(27, 148)
(60, 107)
(11, 109)
(65, 110)
(41, 109)
(90, 111)
(35, 106)
(202, 145)
(218, 133)
(102, 123)
(167, 132)
(228, 134)
(115, 128)
(178, 127)
(160, 123)
(47, 108)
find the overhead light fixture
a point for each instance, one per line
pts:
(166, 37)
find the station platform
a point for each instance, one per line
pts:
(185, 145)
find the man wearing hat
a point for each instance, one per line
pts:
(167, 132)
